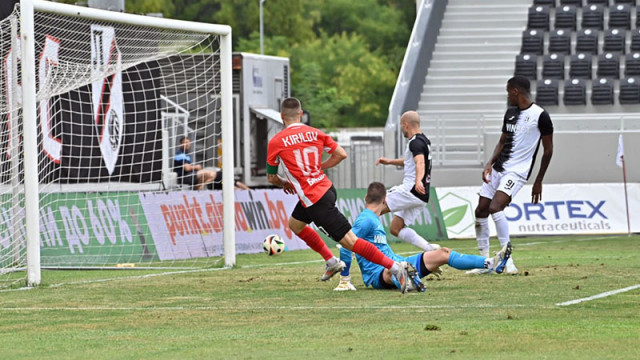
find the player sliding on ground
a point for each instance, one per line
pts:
(369, 227)
(299, 149)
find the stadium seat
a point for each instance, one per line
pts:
(631, 2)
(538, 18)
(632, 64)
(620, 16)
(593, 17)
(577, 3)
(575, 92)
(599, 2)
(602, 92)
(527, 66)
(553, 66)
(614, 41)
(547, 92)
(580, 66)
(566, 17)
(635, 40)
(637, 17)
(532, 42)
(629, 91)
(550, 3)
(608, 66)
(560, 41)
(587, 41)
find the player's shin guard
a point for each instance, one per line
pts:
(502, 227)
(315, 242)
(368, 251)
(465, 261)
(482, 235)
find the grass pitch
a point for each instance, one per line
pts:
(275, 307)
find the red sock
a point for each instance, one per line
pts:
(371, 253)
(315, 242)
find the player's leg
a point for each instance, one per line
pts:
(346, 256)
(508, 187)
(406, 208)
(299, 224)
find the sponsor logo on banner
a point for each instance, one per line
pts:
(189, 224)
(457, 212)
(107, 92)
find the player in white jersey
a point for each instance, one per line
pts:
(407, 200)
(525, 125)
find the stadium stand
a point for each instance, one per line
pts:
(538, 18)
(598, 2)
(629, 91)
(632, 64)
(602, 92)
(532, 42)
(580, 66)
(575, 92)
(553, 66)
(608, 66)
(560, 41)
(547, 92)
(566, 17)
(593, 17)
(587, 41)
(527, 66)
(550, 3)
(635, 40)
(571, 2)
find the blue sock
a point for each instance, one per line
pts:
(465, 261)
(345, 255)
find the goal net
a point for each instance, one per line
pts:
(112, 129)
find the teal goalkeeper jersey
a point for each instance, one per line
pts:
(368, 227)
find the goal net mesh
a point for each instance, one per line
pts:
(115, 105)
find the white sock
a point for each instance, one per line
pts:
(482, 235)
(411, 236)
(502, 227)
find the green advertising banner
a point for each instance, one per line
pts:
(430, 225)
(84, 229)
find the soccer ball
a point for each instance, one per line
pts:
(273, 245)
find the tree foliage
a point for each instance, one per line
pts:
(345, 54)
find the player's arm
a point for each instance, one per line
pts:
(546, 130)
(486, 172)
(385, 161)
(337, 155)
(362, 228)
(419, 160)
(272, 171)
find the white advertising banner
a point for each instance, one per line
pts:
(564, 209)
(189, 224)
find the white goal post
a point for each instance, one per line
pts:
(32, 93)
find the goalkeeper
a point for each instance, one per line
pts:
(368, 226)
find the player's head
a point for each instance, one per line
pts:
(291, 110)
(518, 87)
(185, 143)
(376, 193)
(410, 123)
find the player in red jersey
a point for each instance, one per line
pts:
(298, 148)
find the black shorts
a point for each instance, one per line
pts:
(325, 215)
(189, 178)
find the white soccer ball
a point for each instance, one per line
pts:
(273, 245)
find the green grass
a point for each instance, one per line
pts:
(275, 307)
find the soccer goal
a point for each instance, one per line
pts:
(96, 109)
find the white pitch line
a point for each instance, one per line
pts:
(598, 296)
(264, 308)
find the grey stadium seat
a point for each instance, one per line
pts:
(560, 41)
(550, 3)
(566, 17)
(608, 66)
(577, 3)
(614, 41)
(575, 92)
(527, 66)
(620, 16)
(538, 18)
(587, 41)
(593, 17)
(547, 92)
(630, 2)
(599, 2)
(635, 40)
(632, 64)
(580, 66)
(602, 92)
(532, 42)
(629, 91)
(553, 66)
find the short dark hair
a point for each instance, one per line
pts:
(375, 193)
(521, 83)
(291, 108)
